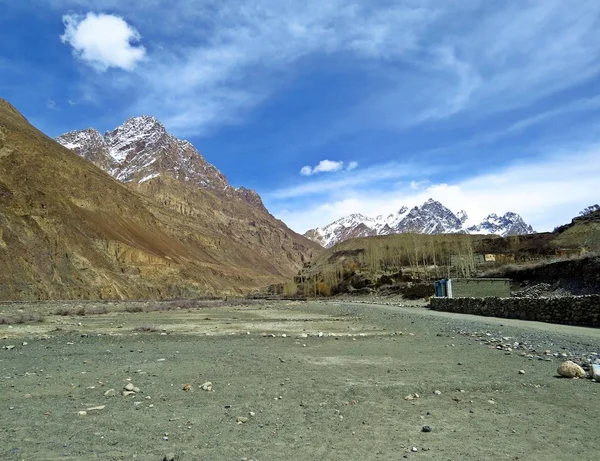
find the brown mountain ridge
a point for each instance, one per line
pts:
(69, 230)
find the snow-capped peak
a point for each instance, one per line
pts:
(430, 218)
(141, 150)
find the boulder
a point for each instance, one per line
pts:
(570, 369)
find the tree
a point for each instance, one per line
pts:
(589, 210)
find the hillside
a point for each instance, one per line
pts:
(69, 230)
(393, 263)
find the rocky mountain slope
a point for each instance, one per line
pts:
(141, 150)
(69, 230)
(430, 218)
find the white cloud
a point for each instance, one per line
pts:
(324, 166)
(352, 166)
(503, 56)
(546, 192)
(103, 41)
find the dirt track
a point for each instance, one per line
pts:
(335, 396)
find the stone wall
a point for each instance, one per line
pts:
(571, 310)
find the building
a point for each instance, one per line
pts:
(473, 288)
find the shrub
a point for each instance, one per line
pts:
(146, 329)
(418, 290)
(97, 310)
(323, 289)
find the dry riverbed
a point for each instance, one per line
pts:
(293, 381)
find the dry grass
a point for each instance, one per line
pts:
(21, 318)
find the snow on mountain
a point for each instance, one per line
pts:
(141, 150)
(430, 218)
(508, 224)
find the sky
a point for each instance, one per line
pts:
(331, 107)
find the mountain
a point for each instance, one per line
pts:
(141, 150)
(68, 230)
(508, 224)
(430, 218)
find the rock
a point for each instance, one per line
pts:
(136, 389)
(570, 369)
(414, 449)
(412, 396)
(8, 348)
(187, 387)
(126, 393)
(129, 387)
(521, 372)
(110, 393)
(595, 371)
(207, 386)
(241, 419)
(426, 429)
(99, 407)
(169, 457)
(82, 413)
(436, 392)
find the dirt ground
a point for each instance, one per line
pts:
(290, 381)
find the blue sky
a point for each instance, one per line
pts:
(330, 107)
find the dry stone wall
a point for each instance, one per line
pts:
(568, 310)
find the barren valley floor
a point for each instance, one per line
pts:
(292, 381)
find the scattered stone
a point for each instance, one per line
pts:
(412, 396)
(207, 386)
(426, 429)
(126, 393)
(595, 371)
(436, 392)
(414, 449)
(110, 393)
(99, 407)
(252, 414)
(187, 387)
(148, 397)
(136, 389)
(521, 372)
(570, 369)
(169, 457)
(8, 348)
(161, 360)
(241, 419)
(24, 343)
(129, 387)
(82, 413)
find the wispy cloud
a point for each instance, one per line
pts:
(546, 192)
(237, 54)
(103, 41)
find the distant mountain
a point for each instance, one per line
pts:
(142, 150)
(430, 218)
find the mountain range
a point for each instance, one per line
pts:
(133, 214)
(430, 218)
